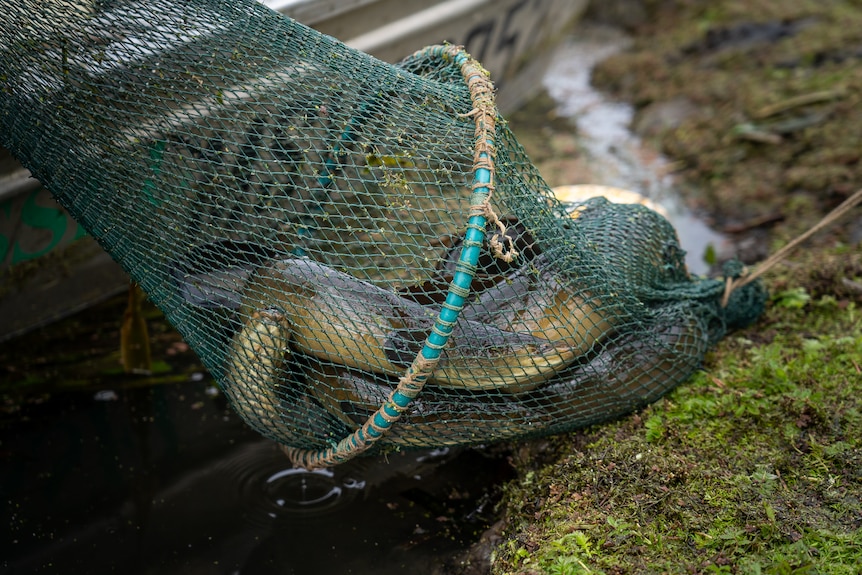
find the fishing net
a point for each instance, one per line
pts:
(361, 253)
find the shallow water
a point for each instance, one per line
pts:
(616, 156)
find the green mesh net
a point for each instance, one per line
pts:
(361, 253)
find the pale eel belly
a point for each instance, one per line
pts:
(266, 388)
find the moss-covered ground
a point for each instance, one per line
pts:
(755, 464)
(752, 466)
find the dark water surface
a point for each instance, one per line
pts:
(111, 476)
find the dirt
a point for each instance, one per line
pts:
(770, 93)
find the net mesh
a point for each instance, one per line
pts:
(361, 253)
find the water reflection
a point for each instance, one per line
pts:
(617, 157)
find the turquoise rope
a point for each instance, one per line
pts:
(451, 309)
(459, 288)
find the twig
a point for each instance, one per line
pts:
(827, 220)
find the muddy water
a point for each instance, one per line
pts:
(614, 155)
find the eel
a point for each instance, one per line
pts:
(255, 366)
(436, 418)
(336, 317)
(489, 269)
(536, 299)
(266, 385)
(212, 276)
(628, 373)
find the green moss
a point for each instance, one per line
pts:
(753, 466)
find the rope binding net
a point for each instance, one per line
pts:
(361, 253)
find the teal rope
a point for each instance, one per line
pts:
(411, 384)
